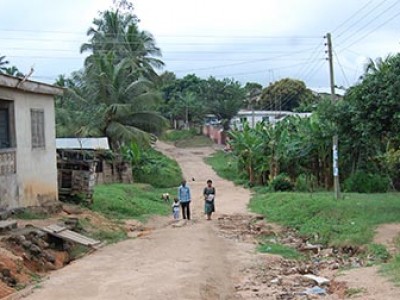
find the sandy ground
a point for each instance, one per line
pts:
(187, 262)
(192, 260)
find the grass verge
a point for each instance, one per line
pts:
(226, 166)
(350, 221)
(127, 201)
(187, 138)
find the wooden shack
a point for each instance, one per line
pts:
(84, 162)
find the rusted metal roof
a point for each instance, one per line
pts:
(68, 235)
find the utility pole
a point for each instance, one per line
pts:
(335, 139)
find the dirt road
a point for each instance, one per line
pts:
(187, 262)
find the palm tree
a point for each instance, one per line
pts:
(119, 106)
(118, 32)
(13, 71)
(3, 64)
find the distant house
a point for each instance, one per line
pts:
(266, 116)
(28, 169)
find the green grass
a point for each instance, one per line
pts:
(323, 219)
(392, 268)
(126, 201)
(78, 251)
(26, 214)
(282, 250)
(225, 164)
(187, 138)
(158, 170)
(110, 237)
(177, 135)
(195, 142)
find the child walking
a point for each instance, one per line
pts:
(175, 208)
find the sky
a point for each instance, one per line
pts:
(255, 40)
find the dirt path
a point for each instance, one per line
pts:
(188, 262)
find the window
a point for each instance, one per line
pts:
(37, 129)
(4, 129)
(7, 130)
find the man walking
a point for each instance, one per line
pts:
(184, 198)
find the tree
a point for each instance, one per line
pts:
(253, 93)
(286, 94)
(13, 71)
(118, 32)
(224, 98)
(3, 64)
(115, 94)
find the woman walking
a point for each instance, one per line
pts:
(209, 198)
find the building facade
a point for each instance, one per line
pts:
(28, 166)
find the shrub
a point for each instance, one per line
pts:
(305, 183)
(281, 182)
(361, 182)
(158, 170)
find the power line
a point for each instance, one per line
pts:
(240, 60)
(360, 19)
(370, 32)
(173, 35)
(182, 51)
(313, 70)
(229, 65)
(372, 21)
(353, 15)
(341, 68)
(311, 59)
(260, 71)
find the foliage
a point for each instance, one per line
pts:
(110, 237)
(286, 94)
(323, 219)
(192, 97)
(392, 269)
(282, 250)
(3, 64)
(294, 146)
(305, 183)
(123, 201)
(378, 252)
(361, 182)
(9, 70)
(152, 167)
(226, 166)
(114, 95)
(27, 214)
(224, 99)
(281, 183)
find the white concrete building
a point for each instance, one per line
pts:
(28, 164)
(257, 116)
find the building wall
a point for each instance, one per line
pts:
(35, 181)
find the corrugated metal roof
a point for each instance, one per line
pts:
(65, 234)
(83, 143)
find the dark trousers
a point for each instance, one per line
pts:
(185, 210)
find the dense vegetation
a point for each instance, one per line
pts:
(367, 121)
